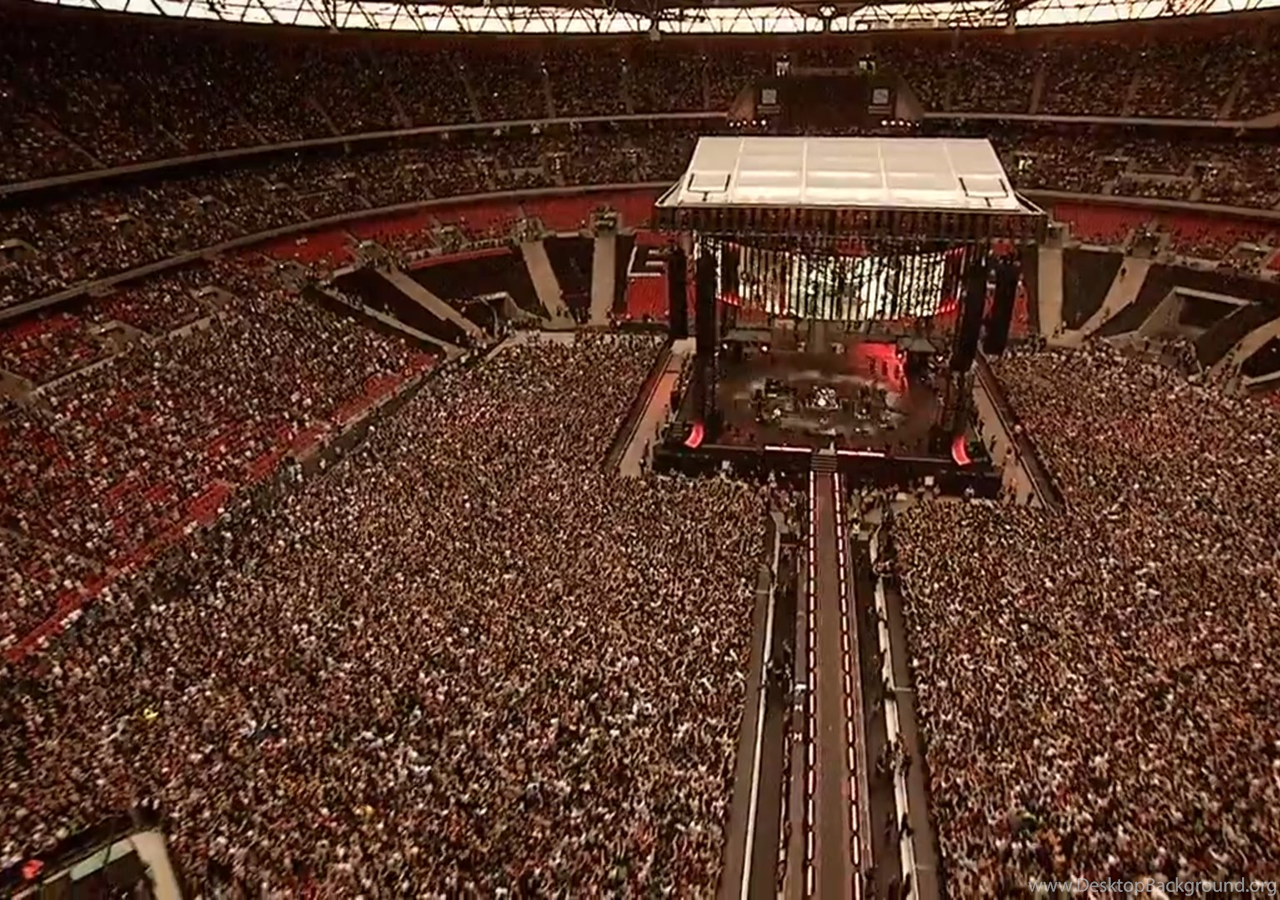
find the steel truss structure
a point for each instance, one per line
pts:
(658, 17)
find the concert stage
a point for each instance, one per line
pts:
(860, 399)
(802, 249)
(779, 406)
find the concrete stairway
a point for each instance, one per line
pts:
(1131, 94)
(473, 99)
(1248, 345)
(1037, 86)
(545, 283)
(449, 350)
(604, 276)
(548, 95)
(1123, 291)
(1050, 281)
(431, 303)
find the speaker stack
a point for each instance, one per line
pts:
(972, 302)
(996, 333)
(730, 263)
(678, 293)
(707, 341)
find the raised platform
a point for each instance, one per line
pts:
(858, 467)
(861, 399)
(926, 188)
(871, 402)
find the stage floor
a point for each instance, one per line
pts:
(861, 400)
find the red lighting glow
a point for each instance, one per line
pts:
(880, 362)
(696, 434)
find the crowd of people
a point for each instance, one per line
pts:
(80, 91)
(70, 239)
(1096, 686)
(466, 660)
(1231, 173)
(103, 464)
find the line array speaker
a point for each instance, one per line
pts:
(705, 291)
(996, 334)
(972, 302)
(730, 263)
(678, 293)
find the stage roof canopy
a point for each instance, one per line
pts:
(702, 17)
(939, 174)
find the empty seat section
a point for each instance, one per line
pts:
(480, 220)
(329, 247)
(1100, 225)
(564, 213)
(1212, 238)
(472, 275)
(634, 207)
(571, 260)
(647, 298)
(647, 277)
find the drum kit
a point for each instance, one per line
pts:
(822, 409)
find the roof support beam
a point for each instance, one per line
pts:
(270, 15)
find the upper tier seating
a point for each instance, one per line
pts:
(101, 232)
(81, 90)
(107, 464)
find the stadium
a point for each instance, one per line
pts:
(666, 449)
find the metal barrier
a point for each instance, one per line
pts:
(1041, 483)
(893, 732)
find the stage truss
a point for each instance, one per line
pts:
(661, 17)
(835, 234)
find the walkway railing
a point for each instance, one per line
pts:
(893, 731)
(1041, 482)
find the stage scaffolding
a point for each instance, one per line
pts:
(901, 230)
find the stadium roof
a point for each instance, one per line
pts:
(710, 17)
(964, 175)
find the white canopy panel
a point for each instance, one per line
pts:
(874, 173)
(603, 18)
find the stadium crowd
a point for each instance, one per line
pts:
(67, 239)
(95, 234)
(1097, 687)
(467, 661)
(464, 661)
(105, 464)
(81, 91)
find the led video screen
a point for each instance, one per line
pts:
(841, 287)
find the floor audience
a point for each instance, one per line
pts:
(1095, 687)
(465, 660)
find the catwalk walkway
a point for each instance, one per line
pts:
(833, 816)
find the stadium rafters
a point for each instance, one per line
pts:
(658, 17)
